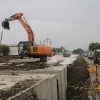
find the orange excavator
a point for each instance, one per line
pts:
(28, 48)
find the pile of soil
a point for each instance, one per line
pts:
(78, 79)
(18, 87)
(24, 66)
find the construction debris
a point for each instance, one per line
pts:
(24, 66)
(13, 63)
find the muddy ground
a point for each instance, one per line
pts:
(24, 66)
(5, 65)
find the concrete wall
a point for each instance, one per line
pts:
(61, 76)
(13, 50)
(46, 89)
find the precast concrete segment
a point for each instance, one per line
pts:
(61, 77)
(45, 87)
(10, 79)
(42, 88)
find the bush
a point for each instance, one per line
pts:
(4, 50)
(78, 51)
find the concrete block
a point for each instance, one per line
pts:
(61, 77)
(45, 88)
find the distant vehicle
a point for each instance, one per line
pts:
(96, 57)
(90, 55)
(85, 54)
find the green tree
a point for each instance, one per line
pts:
(94, 46)
(61, 49)
(78, 51)
(4, 50)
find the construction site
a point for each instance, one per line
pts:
(66, 78)
(48, 50)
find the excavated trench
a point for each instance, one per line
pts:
(78, 80)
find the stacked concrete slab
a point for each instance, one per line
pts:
(61, 78)
(51, 88)
(45, 88)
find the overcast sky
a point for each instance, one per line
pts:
(68, 23)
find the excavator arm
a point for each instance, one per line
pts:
(18, 16)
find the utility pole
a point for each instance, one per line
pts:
(48, 42)
(40, 42)
(1, 36)
(44, 42)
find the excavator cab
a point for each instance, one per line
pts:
(23, 48)
(36, 51)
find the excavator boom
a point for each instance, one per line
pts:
(18, 16)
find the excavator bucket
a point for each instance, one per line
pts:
(5, 25)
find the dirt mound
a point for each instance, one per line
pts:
(18, 87)
(78, 79)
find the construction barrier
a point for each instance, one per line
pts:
(91, 68)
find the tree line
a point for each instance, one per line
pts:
(92, 47)
(4, 50)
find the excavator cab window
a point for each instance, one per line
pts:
(23, 47)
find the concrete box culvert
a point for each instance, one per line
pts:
(61, 78)
(42, 89)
